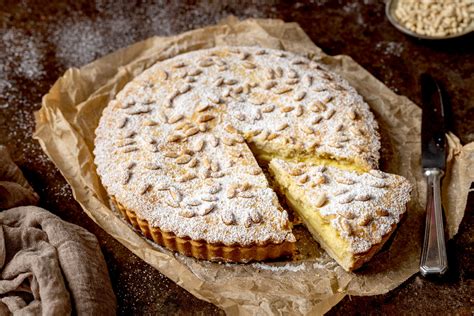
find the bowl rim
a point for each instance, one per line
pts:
(390, 7)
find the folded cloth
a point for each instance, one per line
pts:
(12, 194)
(47, 266)
(14, 188)
(51, 267)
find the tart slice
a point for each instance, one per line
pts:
(351, 215)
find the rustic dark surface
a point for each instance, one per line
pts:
(41, 39)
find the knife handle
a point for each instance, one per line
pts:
(434, 260)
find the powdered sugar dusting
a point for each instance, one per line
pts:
(23, 52)
(21, 60)
(362, 207)
(21, 57)
(79, 40)
(25, 122)
(221, 98)
(289, 267)
(390, 48)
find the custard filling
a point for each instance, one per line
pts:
(324, 233)
(317, 159)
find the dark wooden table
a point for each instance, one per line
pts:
(41, 39)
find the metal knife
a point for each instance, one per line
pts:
(433, 256)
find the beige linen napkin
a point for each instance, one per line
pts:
(14, 189)
(47, 266)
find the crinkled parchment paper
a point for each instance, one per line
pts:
(309, 285)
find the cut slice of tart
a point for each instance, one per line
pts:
(351, 215)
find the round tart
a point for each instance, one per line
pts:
(177, 149)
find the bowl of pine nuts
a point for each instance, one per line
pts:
(432, 19)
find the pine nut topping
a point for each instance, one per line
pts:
(293, 81)
(219, 81)
(150, 123)
(195, 72)
(365, 220)
(214, 141)
(129, 149)
(126, 178)
(231, 129)
(183, 159)
(249, 65)
(279, 72)
(243, 55)
(268, 108)
(296, 172)
(193, 163)
(231, 192)
(348, 198)
(205, 117)
(282, 126)
(240, 116)
(185, 212)
(352, 114)
(152, 166)
(362, 197)
(175, 194)
(269, 84)
(255, 171)
(320, 200)
(308, 80)
(270, 74)
(272, 136)
(230, 82)
(329, 114)
(228, 217)
(299, 96)
(256, 216)
(122, 122)
(228, 141)
(287, 109)
(303, 179)
(173, 138)
(184, 88)
(343, 180)
(307, 129)
(179, 65)
(145, 188)
(192, 131)
(256, 101)
(347, 214)
(299, 110)
(292, 74)
(175, 118)
(346, 227)
(207, 208)
(382, 212)
(214, 99)
(170, 154)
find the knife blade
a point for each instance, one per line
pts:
(433, 127)
(433, 259)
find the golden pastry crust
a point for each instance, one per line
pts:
(200, 249)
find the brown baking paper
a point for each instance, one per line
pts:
(313, 283)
